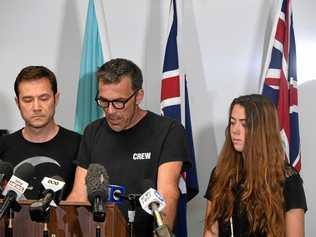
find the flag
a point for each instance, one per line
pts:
(171, 104)
(191, 175)
(279, 82)
(92, 57)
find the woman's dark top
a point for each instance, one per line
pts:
(294, 197)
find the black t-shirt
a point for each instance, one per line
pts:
(52, 158)
(132, 155)
(294, 197)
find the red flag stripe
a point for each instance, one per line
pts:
(170, 87)
(272, 81)
(293, 97)
(279, 35)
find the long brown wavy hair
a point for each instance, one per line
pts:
(260, 169)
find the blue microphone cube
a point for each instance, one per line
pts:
(114, 193)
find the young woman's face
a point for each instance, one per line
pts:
(237, 127)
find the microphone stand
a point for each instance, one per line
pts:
(98, 230)
(9, 232)
(40, 214)
(45, 230)
(98, 214)
(162, 229)
(132, 200)
(45, 222)
(15, 207)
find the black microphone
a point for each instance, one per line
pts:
(152, 202)
(97, 181)
(39, 210)
(16, 186)
(117, 193)
(6, 171)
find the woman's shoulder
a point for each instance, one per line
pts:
(294, 194)
(290, 172)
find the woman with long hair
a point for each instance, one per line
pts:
(252, 191)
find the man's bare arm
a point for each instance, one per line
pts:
(79, 189)
(167, 186)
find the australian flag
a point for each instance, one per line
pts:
(280, 82)
(171, 106)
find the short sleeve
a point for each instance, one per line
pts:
(2, 146)
(294, 195)
(175, 146)
(84, 153)
(208, 193)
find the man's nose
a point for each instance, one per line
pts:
(110, 109)
(36, 104)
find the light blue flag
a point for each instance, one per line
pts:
(91, 58)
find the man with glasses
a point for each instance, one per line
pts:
(133, 144)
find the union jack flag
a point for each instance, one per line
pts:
(171, 106)
(280, 82)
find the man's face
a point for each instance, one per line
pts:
(120, 119)
(37, 102)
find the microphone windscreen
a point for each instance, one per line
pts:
(97, 181)
(26, 172)
(6, 169)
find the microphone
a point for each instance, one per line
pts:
(39, 210)
(16, 186)
(97, 180)
(152, 202)
(6, 171)
(116, 193)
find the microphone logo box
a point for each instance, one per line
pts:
(53, 184)
(149, 197)
(17, 185)
(115, 193)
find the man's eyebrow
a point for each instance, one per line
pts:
(120, 98)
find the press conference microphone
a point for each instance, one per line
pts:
(152, 202)
(16, 186)
(6, 171)
(39, 210)
(117, 194)
(97, 180)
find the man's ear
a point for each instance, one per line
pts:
(16, 99)
(139, 96)
(57, 95)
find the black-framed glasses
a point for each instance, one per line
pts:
(117, 104)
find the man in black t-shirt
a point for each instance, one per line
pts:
(50, 148)
(132, 144)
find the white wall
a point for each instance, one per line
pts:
(222, 51)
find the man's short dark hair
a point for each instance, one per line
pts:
(113, 71)
(34, 73)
